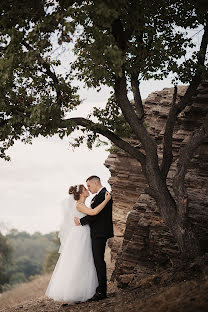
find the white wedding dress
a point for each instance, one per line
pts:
(74, 277)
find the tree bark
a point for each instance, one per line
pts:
(137, 97)
(180, 227)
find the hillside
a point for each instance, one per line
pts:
(183, 290)
(23, 292)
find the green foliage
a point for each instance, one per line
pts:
(113, 149)
(109, 38)
(34, 246)
(17, 278)
(27, 258)
(51, 257)
(152, 39)
(29, 105)
(26, 266)
(112, 118)
(50, 261)
(5, 259)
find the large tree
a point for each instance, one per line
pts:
(119, 44)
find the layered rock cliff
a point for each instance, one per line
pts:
(142, 240)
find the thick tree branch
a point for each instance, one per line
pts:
(167, 148)
(137, 97)
(98, 128)
(185, 157)
(176, 109)
(121, 37)
(153, 174)
(135, 123)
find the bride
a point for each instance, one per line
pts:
(74, 278)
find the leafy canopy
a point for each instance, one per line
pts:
(138, 39)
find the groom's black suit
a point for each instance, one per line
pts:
(101, 227)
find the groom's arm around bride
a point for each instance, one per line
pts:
(101, 227)
(101, 224)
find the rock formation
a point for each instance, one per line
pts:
(142, 240)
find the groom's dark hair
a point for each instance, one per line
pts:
(93, 177)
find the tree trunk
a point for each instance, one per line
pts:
(177, 222)
(187, 241)
(179, 226)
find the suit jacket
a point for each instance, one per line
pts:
(101, 225)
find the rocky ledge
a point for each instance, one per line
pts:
(142, 241)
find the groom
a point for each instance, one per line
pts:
(101, 227)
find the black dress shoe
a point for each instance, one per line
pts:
(97, 297)
(67, 304)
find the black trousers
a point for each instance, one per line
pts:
(98, 249)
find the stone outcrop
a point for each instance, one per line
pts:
(127, 183)
(142, 240)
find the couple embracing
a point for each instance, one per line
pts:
(80, 273)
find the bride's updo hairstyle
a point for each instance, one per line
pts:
(76, 190)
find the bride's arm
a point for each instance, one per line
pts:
(96, 210)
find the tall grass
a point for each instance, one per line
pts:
(25, 292)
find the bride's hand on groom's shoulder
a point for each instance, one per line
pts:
(107, 196)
